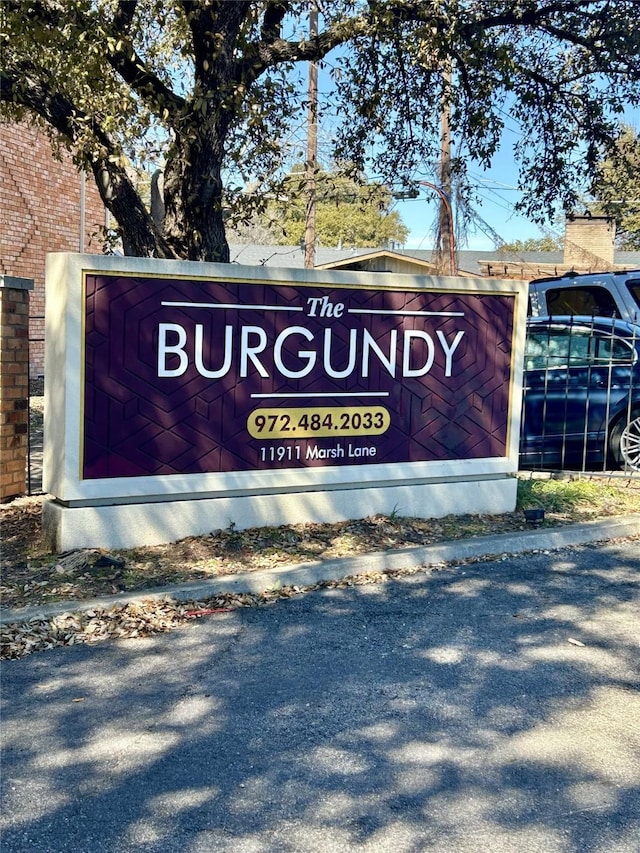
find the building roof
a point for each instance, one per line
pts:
(377, 254)
(532, 264)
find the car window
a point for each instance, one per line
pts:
(553, 348)
(614, 349)
(634, 290)
(592, 301)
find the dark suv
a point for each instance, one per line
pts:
(581, 394)
(609, 294)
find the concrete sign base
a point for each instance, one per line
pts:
(130, 525)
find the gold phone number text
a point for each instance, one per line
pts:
(321, 422)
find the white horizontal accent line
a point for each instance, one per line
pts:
(322, 394)
(237, 307)
(407, 313)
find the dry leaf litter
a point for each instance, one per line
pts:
(146, 617)
(31, 576)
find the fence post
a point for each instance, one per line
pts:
(14, 383)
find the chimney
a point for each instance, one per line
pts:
(589, 242)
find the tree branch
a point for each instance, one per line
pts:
(124, 14)
(273, 50)
(155, 93)
(21, 85)
(124, 60)
(208, 22)
(274, 14)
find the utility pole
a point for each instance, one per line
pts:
(447, 221)
(312, 148)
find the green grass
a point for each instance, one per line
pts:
(581, 497)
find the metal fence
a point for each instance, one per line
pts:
(35, 446)
(581, 406)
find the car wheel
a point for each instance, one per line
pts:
(625, 441)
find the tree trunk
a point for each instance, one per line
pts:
(194, 222)
(140, 236)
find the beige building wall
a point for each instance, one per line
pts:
(589, 242)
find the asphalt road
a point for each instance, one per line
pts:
(489, 707)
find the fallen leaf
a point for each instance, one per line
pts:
(208, 611)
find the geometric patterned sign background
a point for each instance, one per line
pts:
(137, 423)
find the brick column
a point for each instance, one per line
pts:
(14, 384)
(589, 242)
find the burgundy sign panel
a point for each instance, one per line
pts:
(190, 377)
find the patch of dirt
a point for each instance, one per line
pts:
(31, 576)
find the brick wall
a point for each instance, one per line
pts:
(40, 212)
(14, 384)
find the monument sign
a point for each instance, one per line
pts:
(193, 396)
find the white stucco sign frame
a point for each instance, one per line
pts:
(183, 397)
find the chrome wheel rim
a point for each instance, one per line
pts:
(630, 444)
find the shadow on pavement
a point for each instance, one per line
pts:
(452, 711)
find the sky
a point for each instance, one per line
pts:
(498, 194)
(495, 190)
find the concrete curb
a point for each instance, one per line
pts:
(307, 574)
